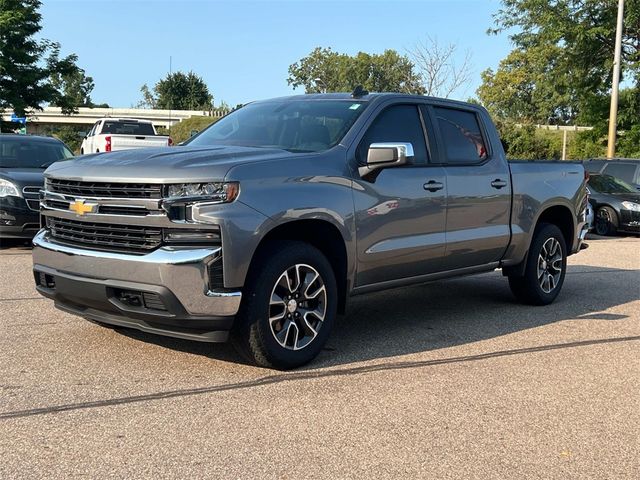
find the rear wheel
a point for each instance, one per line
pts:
(289, 306)
(606, 221)
(545, 269)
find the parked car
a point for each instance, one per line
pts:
(626, 169)
(23, 160)
(113, 134)
(616, 203)
(264, 224)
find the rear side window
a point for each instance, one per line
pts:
(624, 171)
(399, 123)
(127, 128)
(462, 136)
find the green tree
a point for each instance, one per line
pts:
(27, 65)
(178, 91)
(561, 67)
(76, 87)
(325, 70)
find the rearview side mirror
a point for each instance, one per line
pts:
(385, 155)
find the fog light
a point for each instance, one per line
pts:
(191, 236)
(6, 219)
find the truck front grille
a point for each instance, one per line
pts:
(105, 236)
(103, 189)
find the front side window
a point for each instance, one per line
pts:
(397, 124)
(26, 153)
(461, 135)
(292, 125)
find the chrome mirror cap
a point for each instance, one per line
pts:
(386, 154)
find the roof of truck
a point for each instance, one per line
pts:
(364, 98)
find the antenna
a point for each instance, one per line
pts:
(170, 95)
(359, 91)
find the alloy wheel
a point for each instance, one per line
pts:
(550, 265)
(298, 307)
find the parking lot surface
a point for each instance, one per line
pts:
(446, 380)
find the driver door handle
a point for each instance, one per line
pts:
(433, 186)
(498, 183)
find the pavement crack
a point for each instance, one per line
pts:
(305, 375)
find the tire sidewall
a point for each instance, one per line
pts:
(276, 261)
(544, 233)
(608, 227)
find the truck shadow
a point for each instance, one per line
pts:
(445, 314)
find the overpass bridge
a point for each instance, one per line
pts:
(52, 116)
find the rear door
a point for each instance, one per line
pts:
(478, 189)
(400, 211)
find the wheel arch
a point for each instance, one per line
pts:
(558, 214)
(324, 236)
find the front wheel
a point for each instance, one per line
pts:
(545, 269)
(606, 221)
(289, 306)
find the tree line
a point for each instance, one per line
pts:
(558, 72)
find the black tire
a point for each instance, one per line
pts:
(81, 151)
(606, 221)
(533, 288)
(253, 335)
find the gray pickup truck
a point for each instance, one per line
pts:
(262, 226)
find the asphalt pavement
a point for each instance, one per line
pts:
(452, 379)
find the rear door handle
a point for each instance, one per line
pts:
(433, 186)
(497, 183)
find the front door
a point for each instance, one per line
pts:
(400, 211)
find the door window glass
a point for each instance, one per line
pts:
(398, 124)
(461, 135)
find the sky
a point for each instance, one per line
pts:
(243, 49)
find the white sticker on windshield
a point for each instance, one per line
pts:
(354, 106)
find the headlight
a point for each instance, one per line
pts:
(203, 192)
(631, 206)
(8, 189)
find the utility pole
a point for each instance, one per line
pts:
(615, 87)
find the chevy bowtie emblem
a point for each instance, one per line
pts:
(80, 207)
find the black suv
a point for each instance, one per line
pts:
(626, 169)
(23, 160)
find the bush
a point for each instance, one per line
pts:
(529, 143)
(182, 131)
(629, 143)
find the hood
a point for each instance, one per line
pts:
(626, 197)
(616, 197)
(23, 177)
(162, 165)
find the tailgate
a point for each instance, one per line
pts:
(127, 142)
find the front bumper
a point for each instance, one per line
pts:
(17, 220)
(629, 221)
(165, 291)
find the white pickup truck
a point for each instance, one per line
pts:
(112, 134)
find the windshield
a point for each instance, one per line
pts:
(29, 153)
(123, 127)
(609, 184)
(292, 125)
